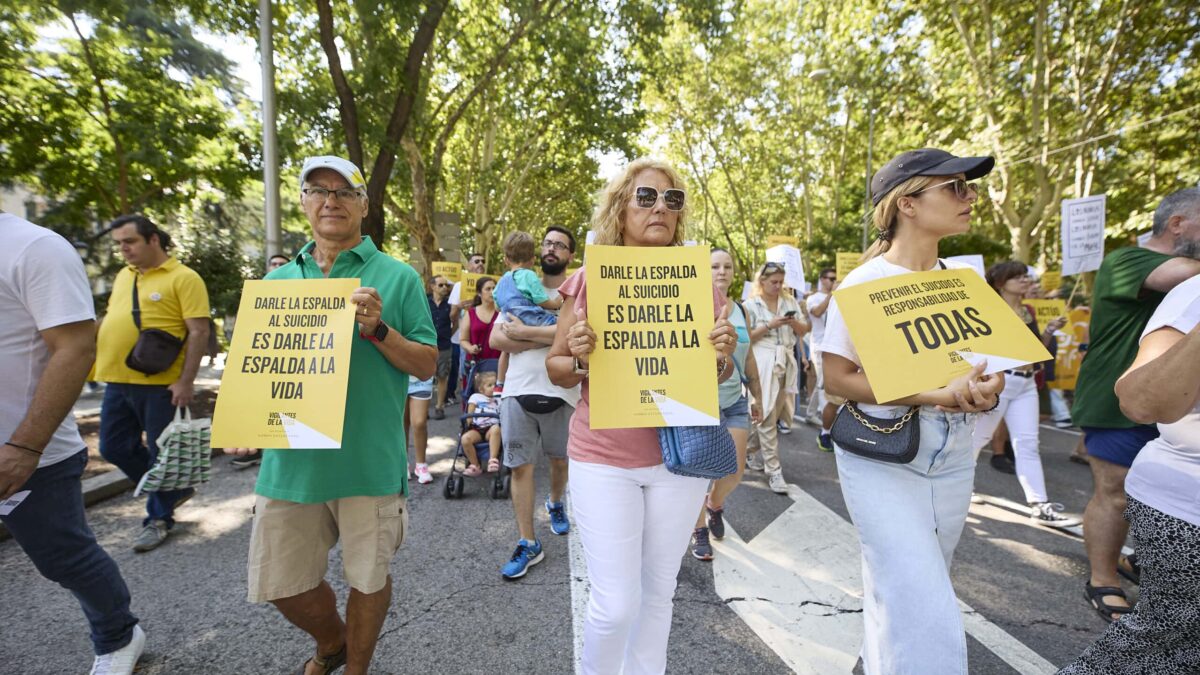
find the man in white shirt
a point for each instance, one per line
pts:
(474, 266)
(49, 327)
(818, 304)
(533, 412)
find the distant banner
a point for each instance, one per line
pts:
(451, 270)
(284, 384)
(793, 266)
(1047, 310)
(777, 239)
(847, 261)
(916, 332)
(466, 292)
(1051, 281)
(1082, 234)
(1066, 362)
(975, 261)
(652, 310)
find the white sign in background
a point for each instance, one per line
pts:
(1082, 234)
(793, 266)
(974, 260)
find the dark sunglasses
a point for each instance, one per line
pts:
(646, 197)
(443, 285)
(962, 189)
(829, 278)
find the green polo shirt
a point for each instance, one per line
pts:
(373, 460)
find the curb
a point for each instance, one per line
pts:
(95, 489)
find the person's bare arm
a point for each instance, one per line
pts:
(1163, 382)
(560, 361)
(512, 336)
(972, 392)
(72, 349)
(1171, 273)
(182, 391)
(822, 307)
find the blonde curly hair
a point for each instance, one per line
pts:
(608, 219)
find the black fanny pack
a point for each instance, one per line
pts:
(538, 404)
(155, 350)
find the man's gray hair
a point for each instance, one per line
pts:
(1177, 203)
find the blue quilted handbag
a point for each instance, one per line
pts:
(700, 452)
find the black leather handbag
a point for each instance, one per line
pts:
(155, 350)
(885, 440)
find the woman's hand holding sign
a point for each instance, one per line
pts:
(972, 392)
(581, 339)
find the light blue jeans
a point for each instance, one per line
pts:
(909, 518)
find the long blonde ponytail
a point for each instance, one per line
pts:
(886, 213)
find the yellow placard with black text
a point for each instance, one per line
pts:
(847, 261)
(285, 378)
(451, 270)
(1069, 357)
(916, 332)
(466, 293)
(652, 311)
(1051, 281)
(1046, 311)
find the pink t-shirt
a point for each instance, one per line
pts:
(622, 448)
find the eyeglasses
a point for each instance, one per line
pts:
(646, 197)
(962, 189)
(442, 285)
(321, 194)
(772, 268)
(557, 245)
(829, 278)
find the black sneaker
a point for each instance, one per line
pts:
(247, 461)
(716, 522)
(1003, 464)
(701, 549)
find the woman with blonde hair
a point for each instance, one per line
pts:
(909, 516)
(634, 517)
(776, 325)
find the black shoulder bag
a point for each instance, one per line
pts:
(155, 350)
(885, 440)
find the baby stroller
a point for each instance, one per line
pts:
(501, 480)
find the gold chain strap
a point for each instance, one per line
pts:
(878, 429)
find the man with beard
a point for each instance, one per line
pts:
(533, 412)
(1131, 283)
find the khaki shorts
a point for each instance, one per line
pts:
(290, 543)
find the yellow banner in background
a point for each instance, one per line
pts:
(1047, 310)
(450, 270)
(1066, 363)
(466, 293)
(916, 332)
(847, 261)
(285, 378)
(1051, 281)
(777, 239)
(652, 310)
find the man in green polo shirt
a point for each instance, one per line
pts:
(309, 500)
(1129, 286)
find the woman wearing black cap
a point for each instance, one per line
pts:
(909, 516)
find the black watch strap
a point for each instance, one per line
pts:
(381, 331)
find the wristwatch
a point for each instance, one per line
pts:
(380, 334)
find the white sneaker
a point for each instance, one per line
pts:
(423, 475)
(777, 484)
(1047, 513)
(1064, 424)
(122, 661)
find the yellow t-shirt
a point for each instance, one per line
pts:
(168, 294)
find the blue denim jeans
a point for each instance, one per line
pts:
(909, 518)
(51, 528)
(510, 300)
(127, 411)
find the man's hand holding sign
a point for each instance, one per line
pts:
(935, 338)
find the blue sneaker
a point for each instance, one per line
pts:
(825, 442)
(528, 553)
(558, 517)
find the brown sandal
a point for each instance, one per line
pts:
(327, 664)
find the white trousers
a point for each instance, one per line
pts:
(635, 525)
(1019, 410)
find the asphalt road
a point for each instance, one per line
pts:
(453, 613)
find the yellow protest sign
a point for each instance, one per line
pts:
(916, 332)
(1066, 362)
(1046, 311)
(284, 384)
(847, 261)
(1051, 281)
(466, 293)
(451, 270)
(777, 239)
(652, 310)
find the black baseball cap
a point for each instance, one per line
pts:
(926, 162)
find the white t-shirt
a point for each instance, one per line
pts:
(483, 404)
(527, 372)
(817, 322)
(1166, 474)
(42, 285)
(837, 337)
(456, 298)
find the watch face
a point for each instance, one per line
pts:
(381, 331)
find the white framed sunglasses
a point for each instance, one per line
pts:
(646, 197)
(962, 189)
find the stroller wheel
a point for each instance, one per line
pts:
(507, 489)
(448, 488)
(458, 487)
(497, 487)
